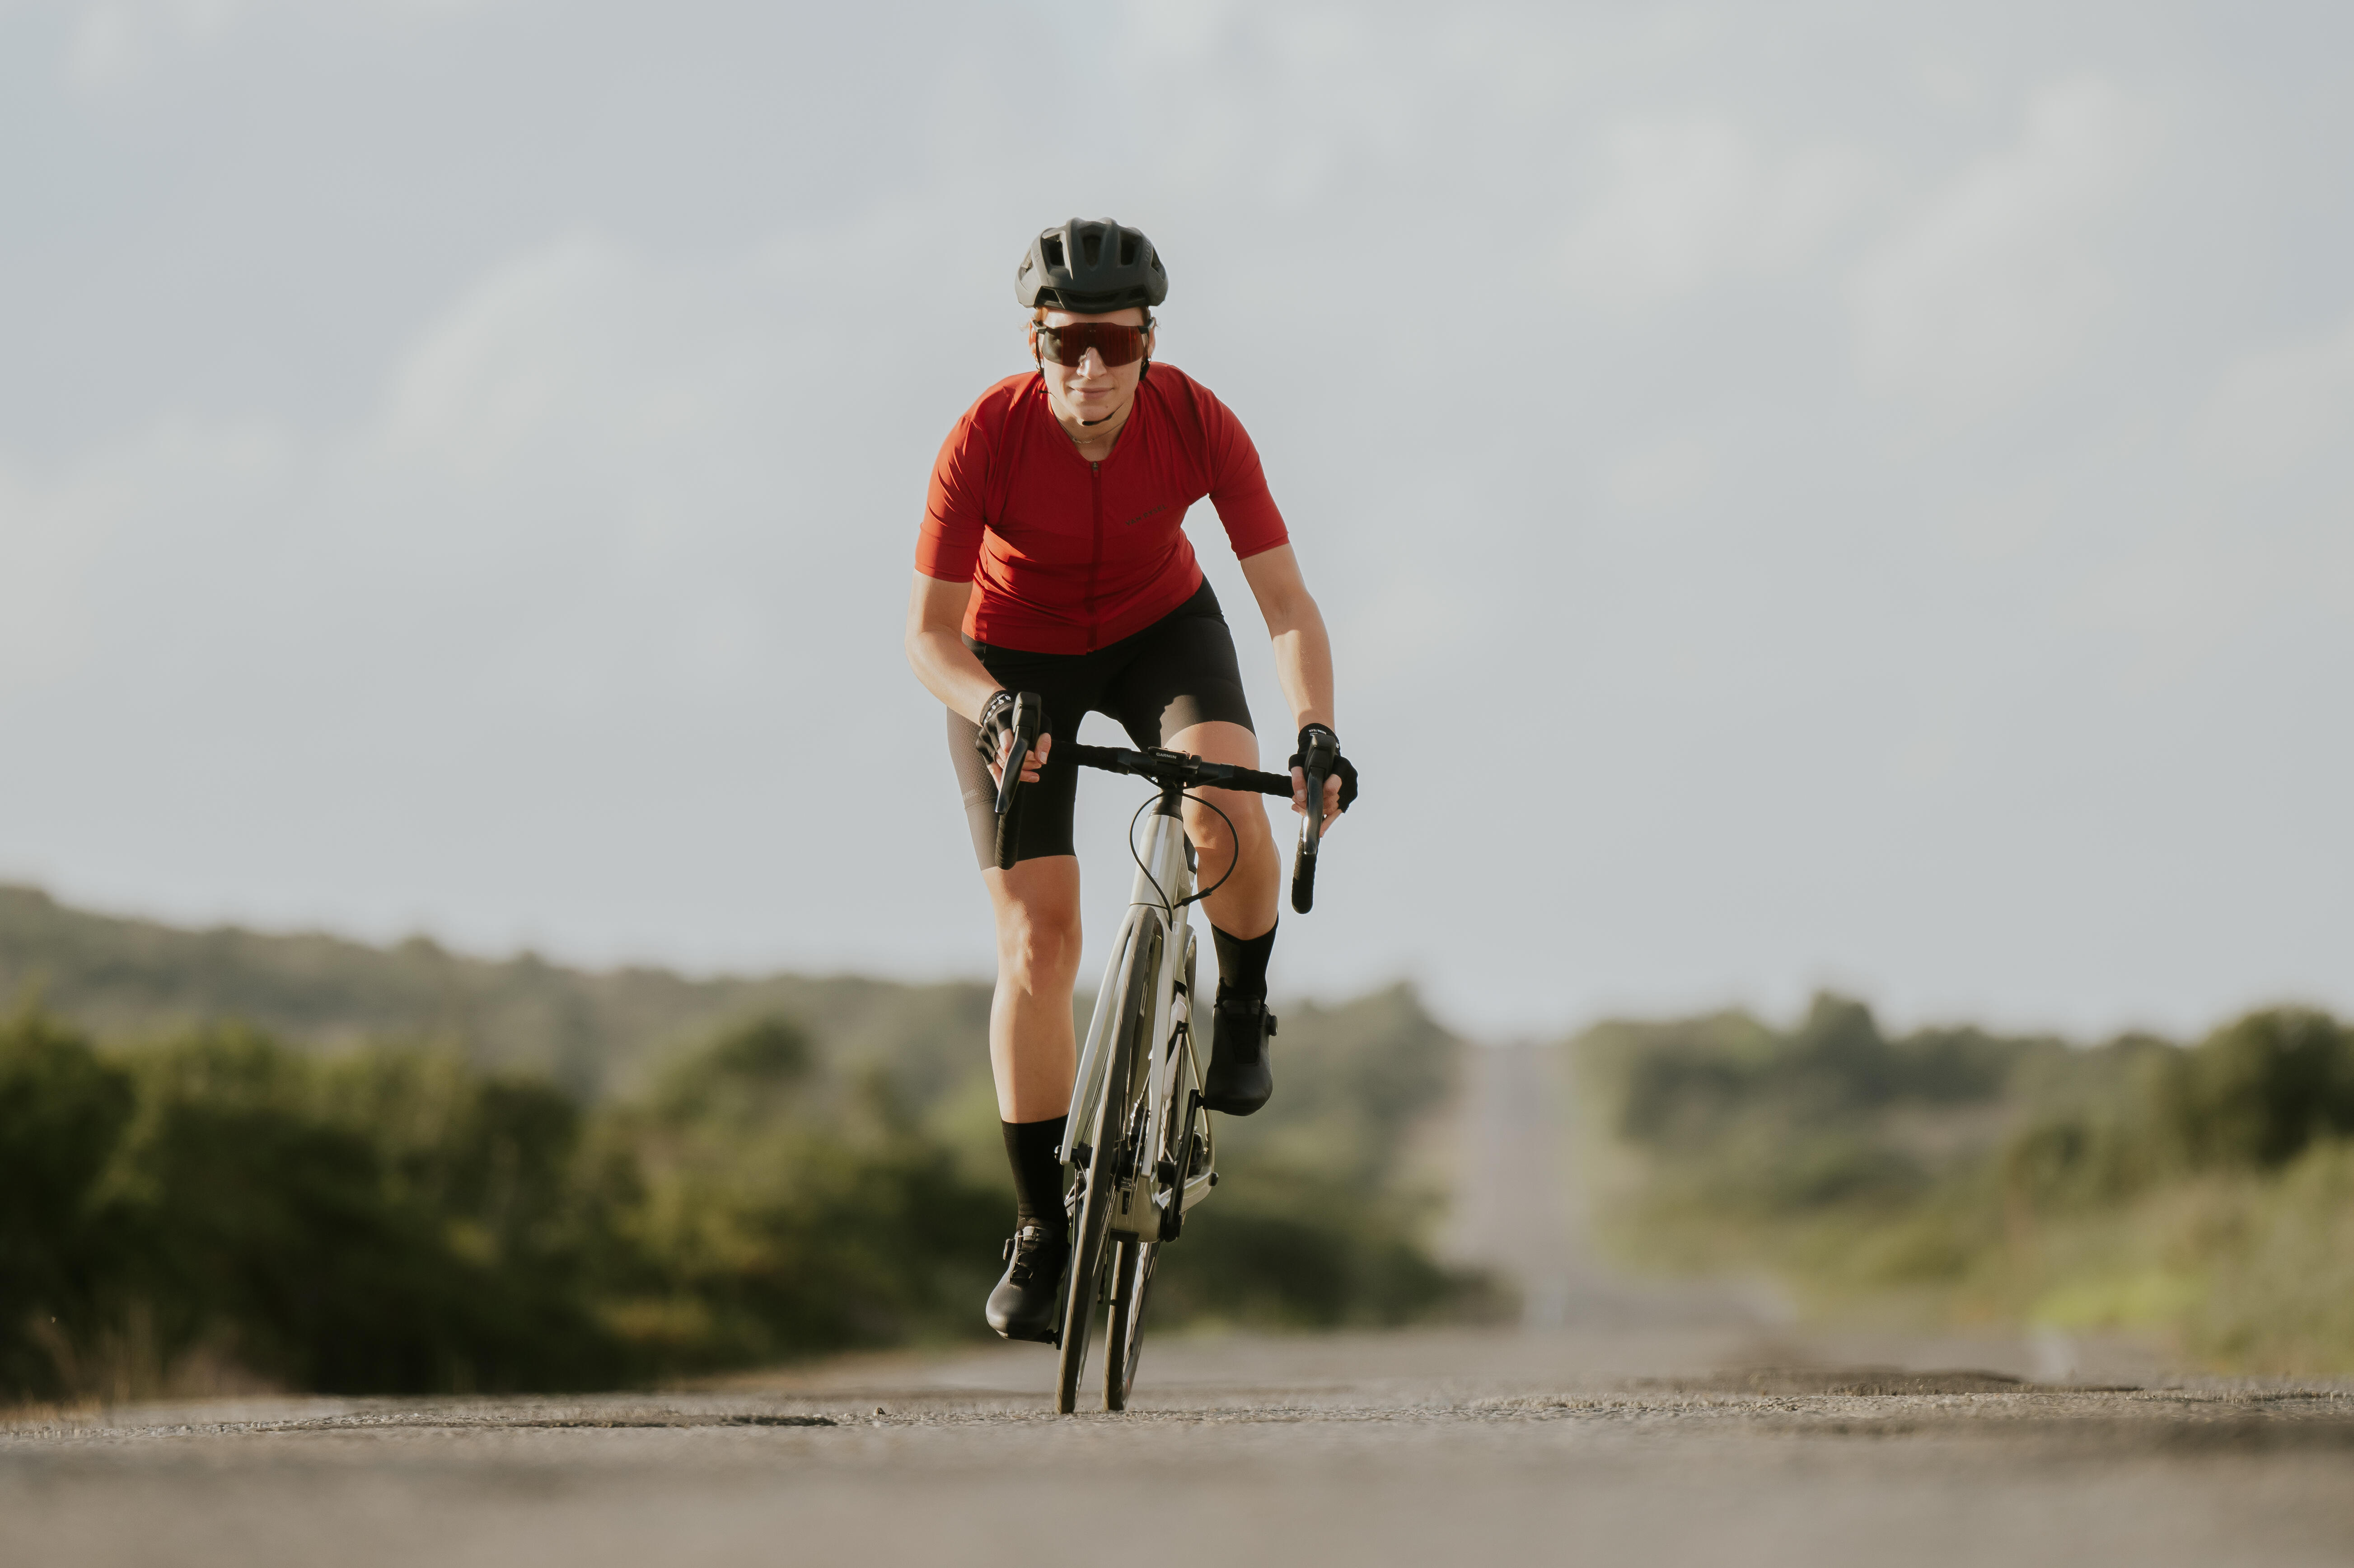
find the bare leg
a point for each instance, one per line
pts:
(1032, 1050)
(1245, 907)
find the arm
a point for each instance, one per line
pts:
(942, 661)
(1303, 652)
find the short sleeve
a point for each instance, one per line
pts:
(1237, 484)
(948, 547)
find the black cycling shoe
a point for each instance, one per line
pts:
(1023, 1304)
(1239, 1080)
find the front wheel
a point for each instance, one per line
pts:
(1091, 1235)
(1088, 1250)
(1131, 1276)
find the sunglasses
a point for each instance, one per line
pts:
(1114, 344)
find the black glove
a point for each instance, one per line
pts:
(996, 721)
(996, 718)
(1342, 769)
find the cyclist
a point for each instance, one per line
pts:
(1052, 560)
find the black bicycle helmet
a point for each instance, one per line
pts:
(1090, 268)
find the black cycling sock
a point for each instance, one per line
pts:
(1242, 963)
(1034, 1149)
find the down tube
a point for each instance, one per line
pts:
(1087, 1086)
(1166, 858)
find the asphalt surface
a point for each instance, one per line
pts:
(1624, 1442)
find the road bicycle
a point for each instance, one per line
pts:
(1139, 1141)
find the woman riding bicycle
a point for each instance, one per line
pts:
(1052, 560)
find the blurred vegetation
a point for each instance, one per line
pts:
(593, 1032)
(2203, 1193)
(1328, 1196)
(231, 1159)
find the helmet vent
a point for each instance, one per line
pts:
(1084, 265)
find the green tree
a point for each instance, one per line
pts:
(62, 1112)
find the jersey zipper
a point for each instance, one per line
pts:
(1094, 560)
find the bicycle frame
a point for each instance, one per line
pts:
(1157, 904)
(1138, 1178)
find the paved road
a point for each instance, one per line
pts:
(1629, 1441)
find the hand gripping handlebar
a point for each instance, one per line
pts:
(1029, 713)
(1178, 770)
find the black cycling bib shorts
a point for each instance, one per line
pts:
(1177, 673)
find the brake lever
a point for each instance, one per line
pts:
(1315, 767)
(1029, 713)
(1027, 717)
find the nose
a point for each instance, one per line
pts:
(1091, 363)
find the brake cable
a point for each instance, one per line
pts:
(1233, 860)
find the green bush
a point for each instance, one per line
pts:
(2200, 1193)
(1289, 1248)
(62, 1112)
(394, 1220)
(376, 1223)
(1326, 1202)
(782, 1211)
(2259, 1091)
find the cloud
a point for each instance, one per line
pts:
(116, 43)
(1995, 284)
(1187, 30)
(2279, 405)
(577, 347)
(595, 480)
(559, 590)
(1687, 203)
(48, 536)
(68, 539)
(1662, 475)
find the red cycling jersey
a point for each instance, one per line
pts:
(1070, 554)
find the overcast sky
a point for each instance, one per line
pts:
(1809, 494)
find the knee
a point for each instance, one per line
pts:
(1216, 838)
(1039, 945)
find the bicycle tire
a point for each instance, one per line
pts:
(1124, 1344)
(1088, 1259)
(1133, 1263)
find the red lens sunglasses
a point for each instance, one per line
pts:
(1114, 344)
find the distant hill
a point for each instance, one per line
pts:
(1362, 1080)
(594, 1032)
